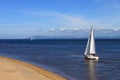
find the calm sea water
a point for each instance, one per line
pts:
(65, 57)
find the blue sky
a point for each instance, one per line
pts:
(25, 18)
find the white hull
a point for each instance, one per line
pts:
(90, 57)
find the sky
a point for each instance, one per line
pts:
(73, 18)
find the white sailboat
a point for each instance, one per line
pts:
(90, 52)
(31, 38)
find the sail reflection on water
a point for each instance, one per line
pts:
(91, 68)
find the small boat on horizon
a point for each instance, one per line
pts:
(31, 38)
(90, 52)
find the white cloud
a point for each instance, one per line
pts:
(64, 29)
(53, 30)
(65, 22)
(116, 29)
(76, 29)
(56, 18)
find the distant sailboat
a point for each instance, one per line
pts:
(90, 52)
(31, 38)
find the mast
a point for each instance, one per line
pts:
(90, 48)
(92, 42)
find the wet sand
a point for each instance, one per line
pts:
(11, 69)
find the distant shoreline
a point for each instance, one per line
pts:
(50, 40)
(65, 39)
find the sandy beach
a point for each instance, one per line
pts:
(11, 69)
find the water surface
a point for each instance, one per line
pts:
(65, 57)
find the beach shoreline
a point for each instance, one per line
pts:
(46, 75)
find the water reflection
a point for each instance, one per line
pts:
(91, 69)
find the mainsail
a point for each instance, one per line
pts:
(90, 48)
